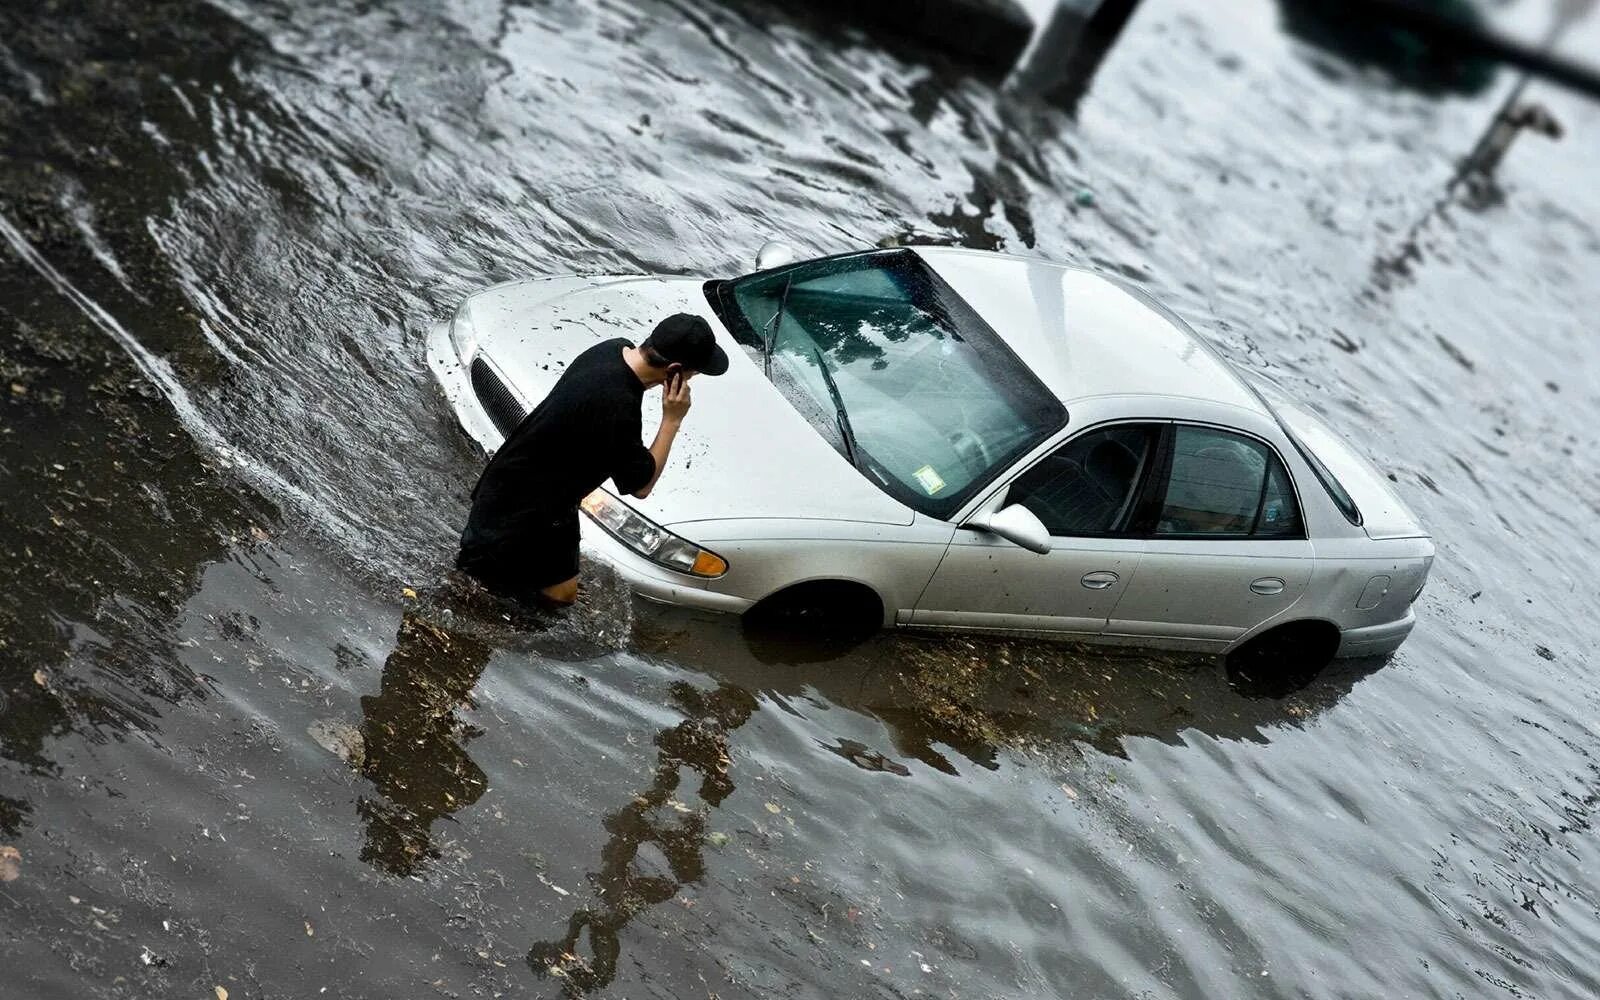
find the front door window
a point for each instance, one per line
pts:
(1087, 486)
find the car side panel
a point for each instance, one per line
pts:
(1367, 587)
(1198, 593)
(986, 583)
(767, 555)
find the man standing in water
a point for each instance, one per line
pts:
(521, 538)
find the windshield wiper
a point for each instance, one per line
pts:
(842, 418)
(769, 340)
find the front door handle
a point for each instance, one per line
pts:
(1099, 580)
(1267, 586)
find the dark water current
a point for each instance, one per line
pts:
(236, 752)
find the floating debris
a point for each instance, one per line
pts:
(340, 739)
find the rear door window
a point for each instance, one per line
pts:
(1226, 485)
(1280, 513)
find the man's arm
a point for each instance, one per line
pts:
(674, 407)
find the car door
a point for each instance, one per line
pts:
(1084, 493)
(1225, 548)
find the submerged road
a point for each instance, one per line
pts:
(248, 744)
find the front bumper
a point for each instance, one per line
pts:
(651, 581)
(1377, 640)
(456, 382)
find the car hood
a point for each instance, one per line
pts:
(743, 452)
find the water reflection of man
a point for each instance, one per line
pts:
(414, 749)
(699, 743)
(521, 538)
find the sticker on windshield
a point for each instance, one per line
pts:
(929, 480)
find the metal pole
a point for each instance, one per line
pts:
(1061, 61)
(1566, 12)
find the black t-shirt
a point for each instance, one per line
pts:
(584, 432)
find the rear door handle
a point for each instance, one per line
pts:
(1267, 586)
(1099, 580)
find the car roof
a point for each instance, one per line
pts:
(1085, 334)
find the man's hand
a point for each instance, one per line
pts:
(675, 399)
(674, 407)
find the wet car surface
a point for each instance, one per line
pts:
(251, 740)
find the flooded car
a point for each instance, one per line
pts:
(235, 752)
(953, 439)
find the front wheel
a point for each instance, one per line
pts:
(818, 619)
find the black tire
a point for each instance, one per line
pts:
(1282, 660)
(815, 620)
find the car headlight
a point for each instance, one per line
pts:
(463, 335)
(650, 539)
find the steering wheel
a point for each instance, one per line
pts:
(965, 442)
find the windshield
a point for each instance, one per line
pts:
(895, 370)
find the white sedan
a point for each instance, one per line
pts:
(940, 438)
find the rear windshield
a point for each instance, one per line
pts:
(1291, 415)
(1336, 492)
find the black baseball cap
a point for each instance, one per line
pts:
(687, 340)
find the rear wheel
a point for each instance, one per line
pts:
(1282, 660)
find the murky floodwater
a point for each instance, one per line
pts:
(234, 752)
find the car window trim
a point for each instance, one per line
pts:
(1150, 459)
(1330, 483)
(1324, 476)
(1153, 489)
(1232, 536)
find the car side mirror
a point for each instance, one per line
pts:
(775, 253)
(1016, 524)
